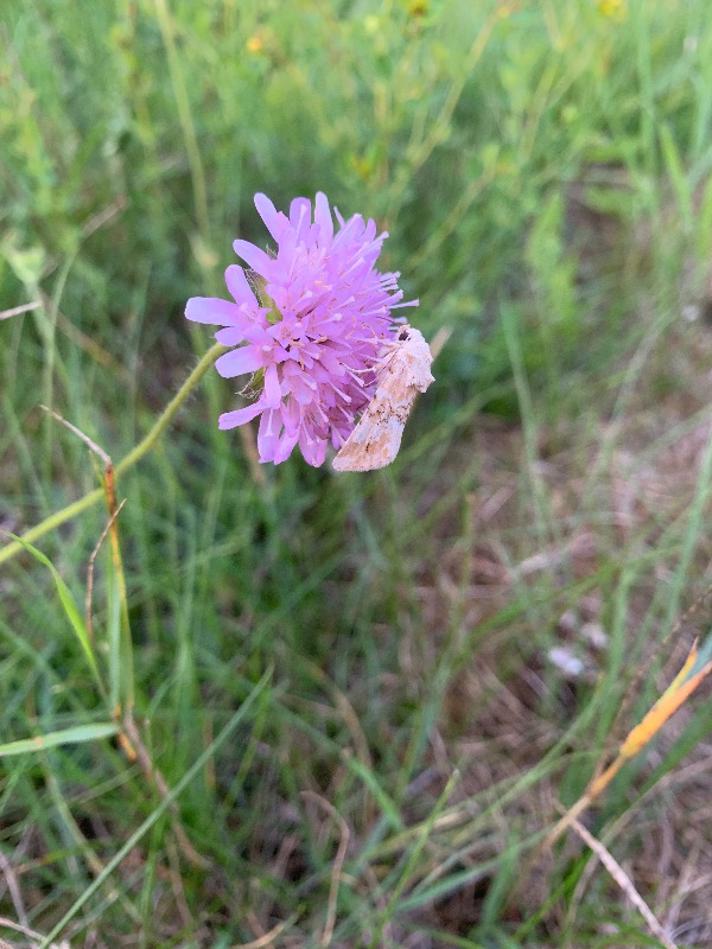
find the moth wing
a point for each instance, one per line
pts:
(417, 360)
(420, 376)
(375, 441)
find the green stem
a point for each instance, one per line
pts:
(134, 456)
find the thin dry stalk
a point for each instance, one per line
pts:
(337, 868)
(624, 882)
(110, 492)
(90, 346)
(89, 619)
(109, 485)
(347, 711)
(178, 888)
(129, 738)
(16, 927)
(439, 341)
(96, 221)
(18, 310)
(89, 442)
(154, 775)
(644, 668)
(270, 938)
(14, 888)
(86, 342)
(679, 690)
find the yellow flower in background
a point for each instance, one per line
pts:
(418, 7)
(613, 9)
(255, 44)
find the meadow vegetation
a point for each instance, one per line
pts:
(360, 702)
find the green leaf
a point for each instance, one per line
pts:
(65, 736)
(68, 605)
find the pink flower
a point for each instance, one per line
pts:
(308, 323)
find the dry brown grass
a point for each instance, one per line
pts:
(504, 709)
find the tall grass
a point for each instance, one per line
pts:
(347, 727)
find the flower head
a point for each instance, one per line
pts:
(308, 323)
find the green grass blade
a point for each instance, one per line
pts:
(64, 736)
(167, 801)
(71, 611)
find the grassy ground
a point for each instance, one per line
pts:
(360, 701)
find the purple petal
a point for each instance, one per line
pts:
(272, 392)
(370, 231)
(238, 286)
(291, 416)
(268, 434)
(332, 364)
(298, 383)
(212, 310)
(239, 416)
(319, 340)
(253, 332)
(238, 361)
(230, 336)
(300, 216)
(285, 446)
(314, 450)
(274, 220)
(322, 218)
(256, 258)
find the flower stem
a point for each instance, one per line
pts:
(134, 456)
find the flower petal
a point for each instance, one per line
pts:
(313, 449)
(316, 331)
(238, 361)
(275, 221)
(322, 219)
(212, 310)
(285, 446)
(300, 216)
(239, 416)
(238, 286)
(291, 416)
(248, 330)
(272, 392)
(268, 434)
(230, 336)
(256, 258)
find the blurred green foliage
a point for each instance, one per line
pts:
(462, 126)
(544, 171)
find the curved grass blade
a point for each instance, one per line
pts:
(69, 607)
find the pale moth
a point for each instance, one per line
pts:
(403, 373)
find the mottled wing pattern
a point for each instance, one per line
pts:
(376, 439)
